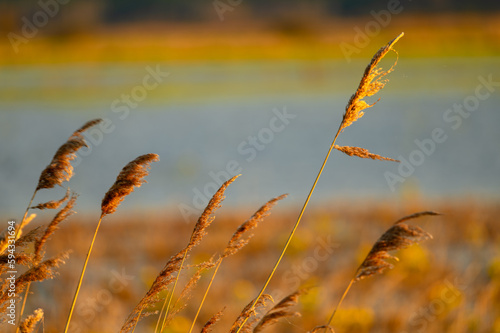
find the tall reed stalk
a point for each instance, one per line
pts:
(371, 82)
(131, 176)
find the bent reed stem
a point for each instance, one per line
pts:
(292, 233)
(82, 274)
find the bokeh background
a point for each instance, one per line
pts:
(203, 84)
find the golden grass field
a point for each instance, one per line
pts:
(140, 260)
(448, 284)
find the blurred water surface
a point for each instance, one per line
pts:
(271, 121)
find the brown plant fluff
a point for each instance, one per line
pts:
(169, 272)
(40, 272)
(53, 204)
(249, 311)
(212, 321)
(186, 292)
(397, 237)
(370, 84)
(131, 175)
(86, 126)
(363, 153)
(28, 324)
(22, 259)
(8, 234)
(279, 311)
(30, 237)
(60, 168)
(206, 217)
(237, 242)
(62, 215)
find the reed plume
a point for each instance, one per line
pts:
(29, 324)
(371, 82)
(397, 237)
(241, 325)
(170, 272)
(130, 176)
(60, 168)
(280, 311)
(363, 153)
(62, 215)
(212, 321)
(42, 271)
(49, 230)
(9, 236)
(53, 204)
(237, 242)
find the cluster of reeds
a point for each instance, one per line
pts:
(163, 290)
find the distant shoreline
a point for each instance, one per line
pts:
(446, 35)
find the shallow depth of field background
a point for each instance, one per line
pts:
(226, 80)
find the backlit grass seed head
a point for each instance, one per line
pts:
(280, 311)
(60, 169)
(212, 321)
(397, 237)
(206, 217)
(62, 215)
(131, 176)
(53, 204)
(29, 324)
(371, 83)
(237, 242)
(249, 311)
(363, 153)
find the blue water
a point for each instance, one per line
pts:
(218, 118)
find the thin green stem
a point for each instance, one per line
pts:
(294, 227)
(205, 295)
(82, 274)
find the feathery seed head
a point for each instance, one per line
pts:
(131, 175)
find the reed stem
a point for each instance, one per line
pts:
(292, 233)
(82, 274)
